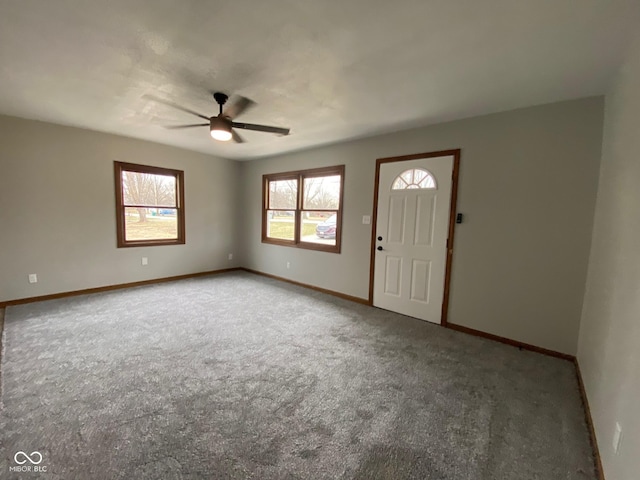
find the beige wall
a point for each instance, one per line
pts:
(58, 214)
(527, 187)
(609, 346)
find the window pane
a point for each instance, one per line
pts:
(322, 192)
(150, 223)
(414, 178)
(283, 194)
(148, 189)
(319, 227)
(281, 224)
(427, 182)
(399, 184)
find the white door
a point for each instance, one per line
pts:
(412, 226)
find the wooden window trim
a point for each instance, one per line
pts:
(299, 176)
(120, 167)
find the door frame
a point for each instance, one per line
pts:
(455, 153)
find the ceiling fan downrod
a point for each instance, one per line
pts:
(221, 99)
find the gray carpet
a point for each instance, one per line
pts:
(238, 376)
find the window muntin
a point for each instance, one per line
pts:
(412, 179)
(149, 205)
(314, 222)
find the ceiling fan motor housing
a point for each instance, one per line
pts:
(219, 123)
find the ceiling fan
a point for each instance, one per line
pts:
(222, 126)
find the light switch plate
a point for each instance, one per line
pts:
(366, 219)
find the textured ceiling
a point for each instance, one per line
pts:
(329, 70)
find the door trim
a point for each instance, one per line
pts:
(452, 219)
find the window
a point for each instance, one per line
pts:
(414, 178)
(149, 205)
(304, 209)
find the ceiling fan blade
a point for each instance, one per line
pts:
(239, 105)
(173, 105)
(236, 137)
(261, 128)
(176, 127)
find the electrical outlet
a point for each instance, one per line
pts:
(617, 437)
(33, 278)
(145, 261)
(231, 256)
(288, 264)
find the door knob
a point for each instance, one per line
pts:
(379, 238)
(380, 248)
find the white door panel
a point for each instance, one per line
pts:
(413, 222)
(393, 274)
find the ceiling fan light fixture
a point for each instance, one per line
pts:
(222, 135)
(220, 130)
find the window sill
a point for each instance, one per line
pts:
(304, 245)
(150, 243)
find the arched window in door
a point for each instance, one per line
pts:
(414, 178)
